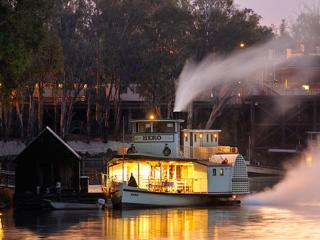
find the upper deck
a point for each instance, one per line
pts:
(165, 138)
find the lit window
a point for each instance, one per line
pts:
(306, 87)
(221, 171)
(214, 172)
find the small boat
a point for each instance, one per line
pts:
(75, 206)
(166, 167)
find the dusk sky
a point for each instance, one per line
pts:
(272, 11)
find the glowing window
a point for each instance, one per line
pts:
(221, 171)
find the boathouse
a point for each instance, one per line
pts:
(47, 162)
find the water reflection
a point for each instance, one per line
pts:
(179, 223)
(1, 228)
(170, 223)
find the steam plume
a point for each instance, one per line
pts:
(299, 187)
(198, 78)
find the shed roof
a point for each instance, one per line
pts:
(47, 131)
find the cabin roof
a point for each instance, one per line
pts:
(201, 130)
(151, 157)
(212, 164)
(157, 120)
(136, 156)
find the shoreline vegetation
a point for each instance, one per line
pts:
(61, 54)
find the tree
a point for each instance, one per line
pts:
(120, 32)
(74, 26)
(166, 37)
(220, 28)
(21, 32)
(306, 29)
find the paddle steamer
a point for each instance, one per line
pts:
(166, 167)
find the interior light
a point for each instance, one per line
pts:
(306, 87)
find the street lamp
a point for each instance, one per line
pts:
(242, 45)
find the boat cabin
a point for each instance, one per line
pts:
(157, 137)
(220, 174)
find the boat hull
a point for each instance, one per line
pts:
(130, 197)
(73, 206)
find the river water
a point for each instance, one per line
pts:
(245, 222)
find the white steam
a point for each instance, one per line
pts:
(299, 187)
(211, 72)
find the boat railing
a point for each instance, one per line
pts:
(204, 153)
(176, 185)
(182, 185)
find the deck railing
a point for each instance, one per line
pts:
(204, 153)
(182, 185)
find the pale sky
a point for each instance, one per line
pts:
(272, 11)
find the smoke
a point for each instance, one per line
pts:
(299, 187)
(211, 72)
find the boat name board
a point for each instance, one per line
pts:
(153, 138)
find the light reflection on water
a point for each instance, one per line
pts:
(247, 222)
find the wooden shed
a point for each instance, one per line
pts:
(44, 162)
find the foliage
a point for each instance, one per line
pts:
(21, 32)
(102, 46)
(221, 28)
(306, 29)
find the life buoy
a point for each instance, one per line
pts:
(166, 151)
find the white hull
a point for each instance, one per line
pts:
(73, 206)
(134, 197)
